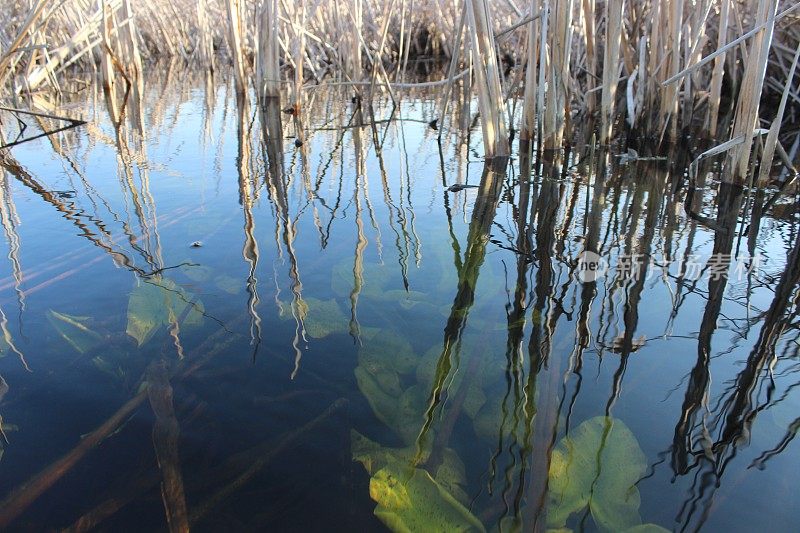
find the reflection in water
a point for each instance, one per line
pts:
(246, 199)
(487, 356)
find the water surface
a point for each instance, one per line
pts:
(324, 310)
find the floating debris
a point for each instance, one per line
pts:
(460, 187)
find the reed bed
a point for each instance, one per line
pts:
(660, 70)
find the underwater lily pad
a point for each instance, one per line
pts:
(488, 419)
(321, 318)
(148, 309)
(197, 273)
(409, 499)
(383, 405)
(373, 279)
(74, 330)
(406, 299)
(411, 409)
(152, 305)
(597, 465)
(228, 284)
(388, 350)
(324, 318)
(426, 371)
(449, 477)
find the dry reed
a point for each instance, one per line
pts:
(682, 65)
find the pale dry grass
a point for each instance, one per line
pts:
(665, 67)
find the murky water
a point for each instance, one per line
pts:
(196, 309)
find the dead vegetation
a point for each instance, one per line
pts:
(660, 70)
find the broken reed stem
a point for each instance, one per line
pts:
(264, 455)
(268, 75)
(165, 442)
(610, 62)
(22, 34)
(487, 79)
(24, 495)
(750, 94)
(772, 137)
(717, 73)
(299, 55)
(556, 107)
(528, 129)
(589, 31)
(235, 44)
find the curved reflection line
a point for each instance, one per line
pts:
(10, 220)
(250, 246)
(482, 216)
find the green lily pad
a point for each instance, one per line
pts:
(152, 305)
(647, 528)
(411, 408)
(488, 419)
(373, 279)
(388, 350)
(597, 466)
(197, 273)
(228, 284)
(75, 330)
(451, 472)
(426, 370)
(383, 405)
(409, 499)
(448, 483)
(324, 318)
(321, 318)
(452, 475)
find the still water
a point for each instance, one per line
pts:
(226, 317)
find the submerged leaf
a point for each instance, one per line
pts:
(196, 272)
(410, 413)
(324, 318)
(383, 405)
(3, 388)
(647, 528)
(114, 370)
(409, 499)
(74, 330)
(388, 350)
(228, 284)
(321, 318)
(148, 309)
(597, 466)
(450, 474)
(152, 305)
(373, 279)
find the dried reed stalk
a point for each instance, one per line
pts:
(556, 108)
(746, 117)
(487, 78)
(719, 70)
(610, 69)
(268, 67)
(528, 129)
(235, 43)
